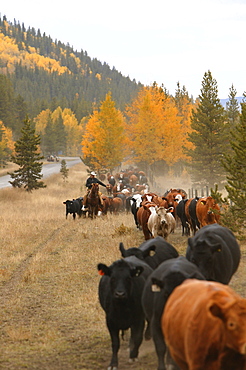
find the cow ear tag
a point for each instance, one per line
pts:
(152, 253)
(100, 272)
(202, 203)
(155, 288)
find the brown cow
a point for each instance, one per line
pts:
(207, 211)
(173, 196)
(115, 205)
(143, 214)
(104, 209)
(204, 325)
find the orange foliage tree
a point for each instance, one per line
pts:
(158, 125)
(103, 144)
(154, 129)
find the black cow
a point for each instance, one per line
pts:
(120, 291)
(153, 251)
(215, 250)
(158, 288)
(195, 224)
(74, 206)
(180, 212)
(135, 204)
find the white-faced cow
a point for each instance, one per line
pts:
(120, 292)
(161, 222)
(215, 250)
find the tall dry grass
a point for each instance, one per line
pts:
(50, 317)
(48, 274)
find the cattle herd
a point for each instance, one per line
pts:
(184, 303)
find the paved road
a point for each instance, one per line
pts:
(47, 170)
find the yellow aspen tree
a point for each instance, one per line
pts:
(144, 125)
(103, 144)
(73, 132)
(153, 126)
(41, 121)
(6, 142)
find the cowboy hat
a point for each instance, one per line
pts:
(93, 173)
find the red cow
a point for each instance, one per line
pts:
(173, 196)
(207, 211)
(151, 197)
(104, 209)
(133, 179)
(204, 326)
(115, 205)
(143, 214)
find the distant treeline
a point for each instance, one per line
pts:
(48, 74)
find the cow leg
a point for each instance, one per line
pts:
(160, 345)
(115, 341)
(74, 215)
(169, 362)
(136, 339)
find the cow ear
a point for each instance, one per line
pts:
(149, 251)
(137, 271)
(103, 269)
(216, 248)
(157, 285)
(216, 311)
(122, 249)
(221, 305)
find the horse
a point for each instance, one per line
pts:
(93, 201)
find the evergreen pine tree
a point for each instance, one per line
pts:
(234, 164)
(28, 158)
(64, 170)
(208, 136)
(232, 108)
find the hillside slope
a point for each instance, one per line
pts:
(48, 73)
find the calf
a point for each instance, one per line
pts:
(161, 222)
(207, 211)
(152, 251)
(74, 207)
(120, 291)
(204, 325)
(215, 250)
(158, 287)
(115, 205)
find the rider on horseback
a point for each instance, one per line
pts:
(92, 180)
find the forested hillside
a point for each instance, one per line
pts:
(47, 73)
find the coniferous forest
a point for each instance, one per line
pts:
(47, 73)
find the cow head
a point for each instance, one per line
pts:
(173, 279)
(70, 205)
(121, 276)
(141, 254)
(203, 253)
(231, 310)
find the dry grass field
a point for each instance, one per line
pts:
(50, 317)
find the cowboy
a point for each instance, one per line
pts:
(92, 180)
